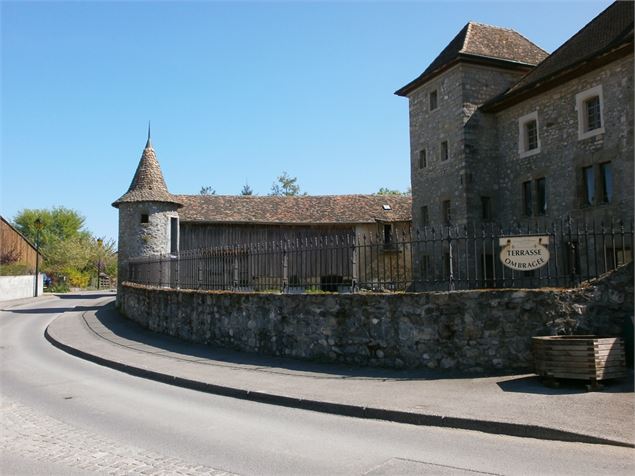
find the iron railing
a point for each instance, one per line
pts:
(443, 258)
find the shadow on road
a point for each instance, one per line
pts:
(534, 385)
(85, 296)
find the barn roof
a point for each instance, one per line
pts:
(479, 42)
(301, 210)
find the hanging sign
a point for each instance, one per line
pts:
(524, 253)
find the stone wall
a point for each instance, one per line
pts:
(562, 155)
(460, 91)
(143, 239)
(469, 331)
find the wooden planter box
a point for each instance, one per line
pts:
(579, 357)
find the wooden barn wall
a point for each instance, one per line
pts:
(11, 241)
(267, 264)
(199, 236)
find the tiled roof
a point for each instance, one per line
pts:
(609, 30)
(475, 41)
(327, 209)
(148, 184)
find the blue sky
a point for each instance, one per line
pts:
(236, 91)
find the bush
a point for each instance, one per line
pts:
(59, 287)
(15, 269)
(77, 279)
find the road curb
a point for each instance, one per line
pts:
(397, 416)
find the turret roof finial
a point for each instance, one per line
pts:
(148, 144)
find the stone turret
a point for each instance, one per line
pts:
(148, 216)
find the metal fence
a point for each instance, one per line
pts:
(443, 258)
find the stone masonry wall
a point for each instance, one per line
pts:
(143, 239)
(460, 91)
(562, 155)
(467, 330)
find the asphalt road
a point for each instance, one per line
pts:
(63, 415)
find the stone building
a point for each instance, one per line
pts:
(501, 131)
(152, 222)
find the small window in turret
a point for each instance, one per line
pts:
(145, 218)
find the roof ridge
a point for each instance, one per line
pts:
(468, 34)
(492, 26)
(247, 197)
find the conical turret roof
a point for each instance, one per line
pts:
(148, 184)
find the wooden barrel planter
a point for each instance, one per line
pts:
(590, 358)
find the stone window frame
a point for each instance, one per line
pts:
(435, 91)
(581, 101)
(523, 139)
(446, 212)
(423, 158)
(444, 156)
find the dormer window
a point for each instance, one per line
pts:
(433, 100)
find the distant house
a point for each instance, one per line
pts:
(15, 247)
(152, 221)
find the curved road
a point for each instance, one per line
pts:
(63, 415)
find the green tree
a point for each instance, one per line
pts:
(388, 191)
(59, 223)
(246, 190)
(68, 248)
(208, 190)
(286, 186)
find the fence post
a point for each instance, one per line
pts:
(235, 272)
(285, 268)
(354, 272)
(451, 277)
(177, 270)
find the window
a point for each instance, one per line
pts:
(527, 199)
(486, 208)
(531, 134)
(528, 140)
(387, 234)
(606, 182)
(433, 100)
(597, 184)
(541, 196)
(589, 186)
(423, 159)
(589, 105)
(174, 235)
(425, 217)
(446, 210)
(592, 111)
(388, 244)
(444, 150)
(145, 218)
